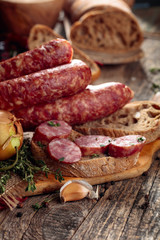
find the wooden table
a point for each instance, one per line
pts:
(126, 210)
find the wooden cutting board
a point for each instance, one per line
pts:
(147, 155)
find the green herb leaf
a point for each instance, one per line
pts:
(40, 144)
(3, 181)
(58, 175)
(52, 124)
(94, 155)
(61, 159)
(155, 87)
(140, 139)
(154, 70)
(36, 206)
(25, 167)
(5, 168)
(45, 203)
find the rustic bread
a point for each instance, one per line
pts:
(87, 167)
(40, 34)
(129, 2)
(140, 117)
(69, 3)
(104, 26)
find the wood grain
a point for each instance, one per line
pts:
(126, 210)
(136, 75)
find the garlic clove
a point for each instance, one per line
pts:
(76, 190)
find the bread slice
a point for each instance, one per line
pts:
(40, 34)
(104, 26)
(87, 167)
(50, 184)
(139, 117)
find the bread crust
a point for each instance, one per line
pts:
(139, 117)
(103, 26)
(77, 8)
(111, 37)
(87, 167)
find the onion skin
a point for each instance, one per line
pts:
(11, 135)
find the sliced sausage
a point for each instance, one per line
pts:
(53, 53)
(64, 150)
(44, 86)
(126, 145)
(93, 144)
(93, 103)
(49, 130)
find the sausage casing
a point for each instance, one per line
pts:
(93, 103)
(44, 86)
(54, 53)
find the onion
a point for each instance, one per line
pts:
(11, 135)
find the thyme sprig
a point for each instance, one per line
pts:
(58, 175)
(7, 167)
(3, 181)
(25, 167)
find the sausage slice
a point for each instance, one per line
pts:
(126, 145)
(93, 144)
(49, 130)
(64, 150)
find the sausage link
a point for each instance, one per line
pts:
(44, 86)
(93, 103)
(53, 53)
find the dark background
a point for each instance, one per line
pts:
(144, 3)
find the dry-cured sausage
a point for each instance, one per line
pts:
(93, 144)
(126, 145)
(54, 53)
(94, 102)
(49, 130)
(64, 150)
(44, 86)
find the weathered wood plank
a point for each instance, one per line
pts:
(13, 227)
(136, 75)
(108, 219)
(144, 219)
(65, 219)
(119, 213)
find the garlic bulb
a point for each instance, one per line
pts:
(76, 190)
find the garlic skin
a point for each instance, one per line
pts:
(74, 190)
